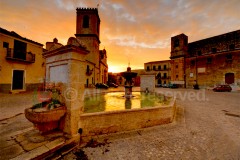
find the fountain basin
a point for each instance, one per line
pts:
(98, 123)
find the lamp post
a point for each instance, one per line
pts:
(196, 86)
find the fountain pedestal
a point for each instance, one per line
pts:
(128, 84)
(128, 91)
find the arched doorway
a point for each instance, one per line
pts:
(159, 81)
(229, 78)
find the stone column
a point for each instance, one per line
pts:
(74, 95)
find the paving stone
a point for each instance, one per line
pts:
(6, 142)
(55, 143)
(32, 154)
(28, 146)
(11, 152)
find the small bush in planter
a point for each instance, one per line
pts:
(49, 114)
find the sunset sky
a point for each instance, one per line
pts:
(135, 31)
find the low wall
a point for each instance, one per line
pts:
(93, 124)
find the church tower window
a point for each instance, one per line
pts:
(85, 21)
(176, 43)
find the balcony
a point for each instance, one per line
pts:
(89, 72)
(26, 57)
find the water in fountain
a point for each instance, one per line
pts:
(115, 101)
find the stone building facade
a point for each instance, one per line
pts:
(161, 69)
(87, 38)
(22, 66)
(207, 62)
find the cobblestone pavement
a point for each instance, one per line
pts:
(207, 126)
(14, 104)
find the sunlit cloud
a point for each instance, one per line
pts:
(131, 42)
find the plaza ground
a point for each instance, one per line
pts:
(206, 127)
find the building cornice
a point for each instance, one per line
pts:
(65, 49)
(89, 35)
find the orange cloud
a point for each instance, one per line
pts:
(136, 31)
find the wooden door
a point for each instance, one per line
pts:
(229, 78)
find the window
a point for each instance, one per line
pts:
(214, 50)
(5, 45)
(85, 21)
(192, 63)
(154, 68)
(199, 53)
(20, 50)
(176, 76)
(209, 60)
(164, 82)
(176, 66)
(176, 43)
(159, 67)
(231, 47)
(229, 56)
(165, 67)
(165, 75)
(148, 68)
(88, 69)
(101, 55)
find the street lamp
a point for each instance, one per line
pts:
(196, 86)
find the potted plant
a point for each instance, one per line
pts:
(49, 114)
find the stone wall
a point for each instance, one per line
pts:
(216, 44)
(211, 73)
(5, 88)
(177, 71)
(94, 124)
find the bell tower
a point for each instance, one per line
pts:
(179, 49)
(87, 32)
(179, 46)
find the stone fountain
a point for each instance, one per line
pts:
(112, 112)
(128, 75)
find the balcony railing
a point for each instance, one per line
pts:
(27, 57)
(89, 72)
(163, 77)
(163, 69)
